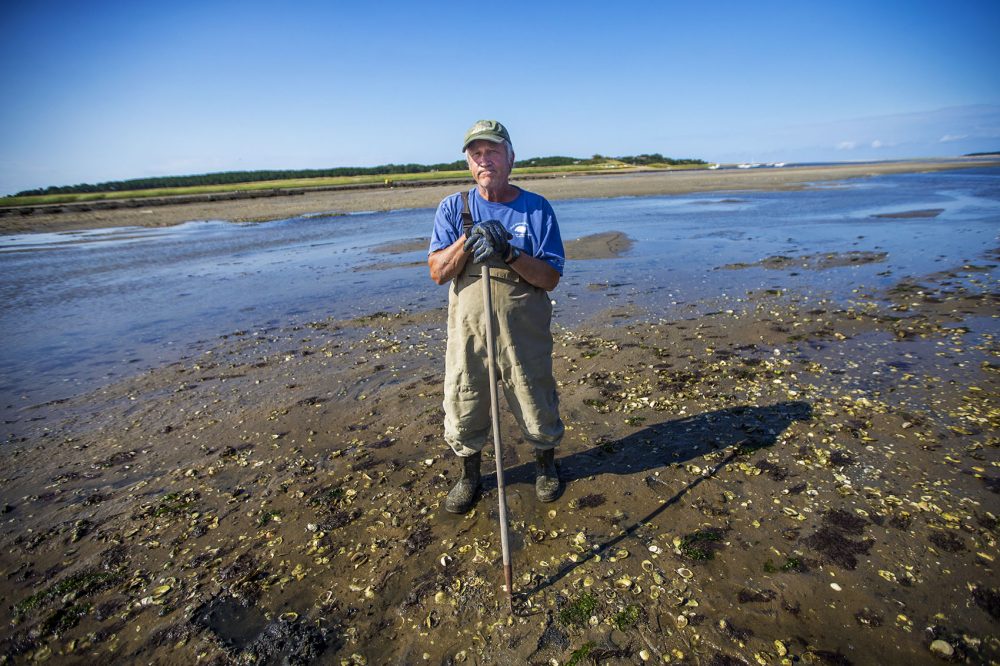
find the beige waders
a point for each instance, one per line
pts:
(523, 314)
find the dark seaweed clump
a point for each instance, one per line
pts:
(739, 634)
(418, 540)
(775, 472)
(700, 546)
(791, 564)
(756, 596)
(989, 600)
(720, 659)
(590, 501)
(833, 540)
(868, 618)
(947, 542)
(832, 658)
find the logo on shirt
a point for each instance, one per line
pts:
(519, 230)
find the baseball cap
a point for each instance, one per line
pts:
(489, 130)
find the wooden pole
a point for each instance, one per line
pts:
(495, 408)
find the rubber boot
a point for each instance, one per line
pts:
(463, 495)
(546, 475)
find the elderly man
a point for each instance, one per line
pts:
(515, 233)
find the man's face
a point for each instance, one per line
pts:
(488, 163)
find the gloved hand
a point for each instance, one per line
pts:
(488, 239)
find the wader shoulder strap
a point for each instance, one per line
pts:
(467, 220)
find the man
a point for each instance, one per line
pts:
(515, 233)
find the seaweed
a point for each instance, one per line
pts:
(579, 611)
(756, 596)
(171, 504)
(580, 654)
(627, 617)
(738, 634)
(868, 618)
(64, 619)
(417, 540)
(268, 516)
(82, 584)
(700, 546)
(791, 564)
(947, 542)
(590, 501)
(832, 538)
(988, 599)
(720, 659)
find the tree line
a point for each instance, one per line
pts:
(234, 177)
(645, 159)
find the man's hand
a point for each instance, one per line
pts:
(488, 239)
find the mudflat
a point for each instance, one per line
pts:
(395, 198)
(794, 480)
(769, 477)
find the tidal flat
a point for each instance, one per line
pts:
(784, 451)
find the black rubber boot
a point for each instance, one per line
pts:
(546, 475)
(463, 495)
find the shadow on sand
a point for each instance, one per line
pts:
(743, 429)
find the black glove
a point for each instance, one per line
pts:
(488, 239)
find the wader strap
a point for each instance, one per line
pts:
(467, 220)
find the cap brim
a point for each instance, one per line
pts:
(495, 138)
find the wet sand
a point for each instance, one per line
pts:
(395, 198)
(773, 478)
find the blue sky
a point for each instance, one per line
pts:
(98, 91)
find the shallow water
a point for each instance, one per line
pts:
(81, 308)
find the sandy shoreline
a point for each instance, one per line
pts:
(570, 187)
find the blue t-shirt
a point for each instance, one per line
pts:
(529, 218)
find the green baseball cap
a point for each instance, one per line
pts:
(489, 130)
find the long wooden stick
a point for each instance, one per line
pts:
(495, 407)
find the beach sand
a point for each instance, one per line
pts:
(395, 198)
(773, 479)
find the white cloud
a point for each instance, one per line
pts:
(953, 137)
(877, 144)
(847, 145)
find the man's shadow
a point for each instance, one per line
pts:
(741, 430)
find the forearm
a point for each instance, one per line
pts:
(447, 263)
(536, 271)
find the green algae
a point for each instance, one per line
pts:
(579, 611)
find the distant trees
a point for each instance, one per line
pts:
(234, 177)
(554, 161)
(656, 158)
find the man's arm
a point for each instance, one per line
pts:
(447, 263)
(536, 271)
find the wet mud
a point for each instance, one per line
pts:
(814, 262)
(784, 479)
(911, 214)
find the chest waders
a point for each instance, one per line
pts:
(523, 315)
